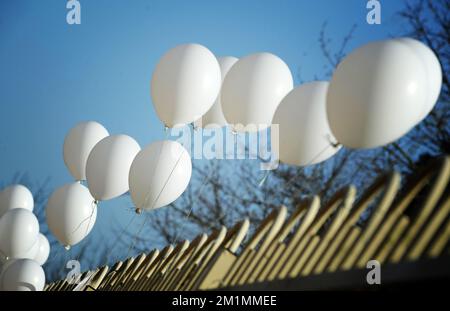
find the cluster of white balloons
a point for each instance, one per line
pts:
(112, 165)
(23, 249)
(190, 83)
(381, 91)
(376, 95)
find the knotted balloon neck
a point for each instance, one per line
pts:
(336, 144)
(194, 127)
(333, 143)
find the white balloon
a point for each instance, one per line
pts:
(30, 253)
(39, 252)
(19, 229)
(4, 264)
(43, 250)
(253, 89)
(376, 95)
(15, 196)
(159, 174)
(433, 71)
(23, 275)
(214, 116)
(305, 137)
(78, 144)
(108, 166)
(71, 213)
(185, 84)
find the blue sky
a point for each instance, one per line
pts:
(54, 75)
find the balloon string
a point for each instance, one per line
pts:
(157, 197)
(153, 204)
(119, 237)
(199, 192)
(234, 133)
(66, 250)
(263, 180)
(66, 257)
(131, 247)
(334, 145)
(167, 179)
(84, 220)
(94, 205)
(57, 255)
(139, 208)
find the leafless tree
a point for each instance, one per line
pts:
(89, 254)
(224, 192)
